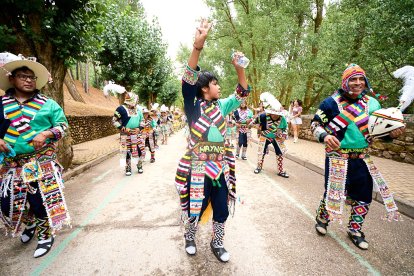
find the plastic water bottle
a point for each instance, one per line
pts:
(241, 60)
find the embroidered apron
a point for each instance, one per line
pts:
(204, 159)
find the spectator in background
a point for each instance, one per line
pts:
(296, 120)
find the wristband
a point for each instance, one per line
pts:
(198, 49)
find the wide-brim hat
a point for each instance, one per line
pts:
(273, 111)
(38, 69)
(131, 99)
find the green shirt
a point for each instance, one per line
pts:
(353, 138)
(226, 106)
(135, 121)
(49, 116)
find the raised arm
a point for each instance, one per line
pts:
(199, 40)
(240, 71)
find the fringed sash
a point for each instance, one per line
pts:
(15, 179)
(131, 143)
(387, 197)
(356, 112)
(20, 117)
(335, 192)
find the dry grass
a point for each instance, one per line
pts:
(96, 102)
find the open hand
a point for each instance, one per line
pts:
(201, 33)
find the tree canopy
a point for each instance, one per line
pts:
(298, 49)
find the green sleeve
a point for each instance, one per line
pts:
(153, 124)
(228, 104)
(373, 105)
(283, 124)
(250, 115)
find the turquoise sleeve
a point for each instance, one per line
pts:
(228, 104)
(250, 115)
(283, 124)
(373, 105)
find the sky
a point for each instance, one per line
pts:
(177, 19)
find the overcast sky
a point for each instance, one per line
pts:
(178, 20)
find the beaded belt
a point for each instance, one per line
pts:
(48, 152)
(348, 153)
(208, 151)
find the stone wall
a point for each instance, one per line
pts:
(401, 149)
(86, 128)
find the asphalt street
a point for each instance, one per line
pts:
(131, 226)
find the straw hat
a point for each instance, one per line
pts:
(38, 69)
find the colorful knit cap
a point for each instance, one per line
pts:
(351, 71)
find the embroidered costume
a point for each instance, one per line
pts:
(243, 118)
(127, 119)
(349, 171)
(206, 173)
(273, 130)
(148, 126)
(165, 121)
(31, 184)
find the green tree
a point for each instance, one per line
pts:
(133, 53)
(55, 32)
(170, 91)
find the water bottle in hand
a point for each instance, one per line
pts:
(242, 61)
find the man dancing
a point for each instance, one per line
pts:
(127, 119)
(206, 174)
(148, 126)
(273, 130)
(243, 116)
(341, 122)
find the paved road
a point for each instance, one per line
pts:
(130, 226)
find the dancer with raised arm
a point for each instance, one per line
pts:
(206, 174)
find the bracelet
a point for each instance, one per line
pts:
(198, 49)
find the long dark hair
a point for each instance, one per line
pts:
(204, 79)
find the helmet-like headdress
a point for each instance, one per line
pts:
(163, 108)
(271, 104)
(385, 120)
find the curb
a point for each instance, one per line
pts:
(80, 169)
(404, 206)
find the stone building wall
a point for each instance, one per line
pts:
(401, 149)
(86, 128)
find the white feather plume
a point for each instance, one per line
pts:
(406, 73)
(155, 106)
(269, 99)
(111, 87)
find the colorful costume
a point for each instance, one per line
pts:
(148, 126)
(349, 170)
(31, 184)
(231, 130)
(132, 146)
(206, 173)
(242, 118)
(164, 124)
(32, 177)
(272, 132)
